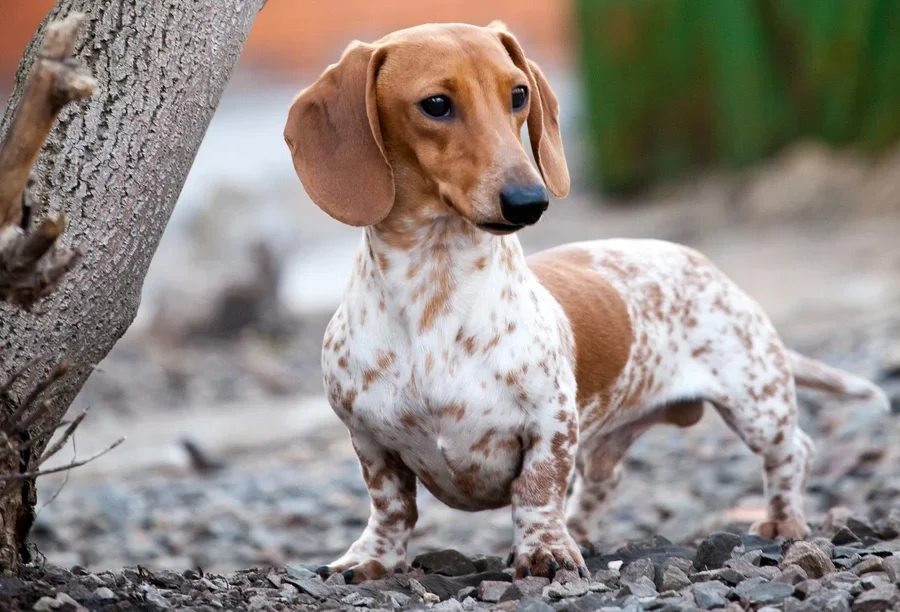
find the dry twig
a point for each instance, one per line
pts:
(30, 266)
(13, 430)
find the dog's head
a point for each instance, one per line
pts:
(433, 114)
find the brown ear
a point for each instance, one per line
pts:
(543, 118)
(335, 140)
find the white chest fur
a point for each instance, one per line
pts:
(447, 355)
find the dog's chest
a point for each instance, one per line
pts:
(454, 402)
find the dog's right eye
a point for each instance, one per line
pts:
(438, 107)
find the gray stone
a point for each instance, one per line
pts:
(154, 597)
(642, 587)
(358, 599)
(807, 588)
(769, 593)
(447, 562)
(298, 571)
(792, 574)
(524, 588)
(861, 528)
(844, 536)
(492, 590)
(534, 605)
(810, 557)
(890, 528)
(312, 586)
(825, 546)
(45, 603)
(104, 593)
(488, 564)
(877, 600)
(450, 605)
(259, 602)
(556, 590)
(710, 595)
(673, 579)
(868, 564)
(336, 579)
(830, 600)
(465, 592)
(844, 581)
(752, 571)
(727, 575)
(637, 569)
(891, 566)
(715, 550)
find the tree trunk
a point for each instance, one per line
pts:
(115, 167)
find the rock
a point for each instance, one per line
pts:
(447, 562)
(844, 552)
(825, 545)
(564, 576)
(656, 541)
(673, 579)
(877, 600)
(637, 569)
(561, 591)
(358, 599)
(642, 587)
(868, 564)
(399, 599)
(488, 564)
(890, 528)
(313, 587)
(752, 571)
(861, 528)
(727, 575)
(806, 588)
(826, 601)
(167, 579)
(44, 604)
(845, 581)
(298, 571)
(891, 566)
(491, 590)
(450, 605)
(715, 550)
(155, 598)
(792, 574)
(810, 557)
(261, 602)
(529, 587)
(466, 592)
(769, 593)
(834, 520)
(430, 598)
(710, 595)
(336, 579)
(104, 593)
(843, 536)
(534, 605)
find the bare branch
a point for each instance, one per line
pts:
(54, 81)
(19, 476)
(57, 446)
(30, 267)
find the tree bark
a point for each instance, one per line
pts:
(115, 168)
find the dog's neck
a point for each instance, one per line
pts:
(428, 272)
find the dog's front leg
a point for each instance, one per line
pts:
(392, 490)
(543, 544)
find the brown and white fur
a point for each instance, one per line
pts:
(491, 377)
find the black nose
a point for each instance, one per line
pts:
(523, 204)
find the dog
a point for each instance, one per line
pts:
(494, 378)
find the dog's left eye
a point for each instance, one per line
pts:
(519, 97)
(437, 107)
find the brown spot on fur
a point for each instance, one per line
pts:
(597, 314)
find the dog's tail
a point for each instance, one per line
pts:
(813, 374)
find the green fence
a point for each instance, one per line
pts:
(672, 85)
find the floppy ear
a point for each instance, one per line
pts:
(543, 117)
(335, 140)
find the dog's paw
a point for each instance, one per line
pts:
(355, 572)
(788, 529)
(547, 554)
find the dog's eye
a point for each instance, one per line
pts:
(519, 97)
(438, 107)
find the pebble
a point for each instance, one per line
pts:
(768, 593)
(877, 600)
(710, 595)
(868, 564)
(714, 550)
(637, 569)
(673, 579)
(446, 562)
(491, 590)
(534, 605)
(810, 557)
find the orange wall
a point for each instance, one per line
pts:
(306, 35)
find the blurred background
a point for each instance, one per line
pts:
(763, 132)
